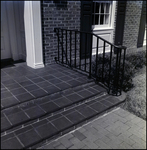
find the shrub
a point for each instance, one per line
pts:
(132, 63)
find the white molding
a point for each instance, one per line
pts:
(32, 21)
(38, 65)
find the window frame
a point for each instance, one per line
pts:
(111, 18)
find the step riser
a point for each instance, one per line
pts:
(54, 112)
(70, 128)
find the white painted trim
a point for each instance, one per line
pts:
(38, 65)
(32, 21)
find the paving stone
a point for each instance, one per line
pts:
(29, 138)
(49, 107)
(113, 100)
(94, 91)
(37, 80)
(62, 123)
(63, 85)
(38, 93)
(24, 97)
(65, 78)
(51, 89)
(18, 91)
(136, 139)
(17, 118)
(6, 94)
(90, 144)
(8, 82)
(7, 136)
(63, 101)
(55, 81)
(77, 142)
(32, 87)
(4, 123)
(87, 112)
(13, 86)
(139, 146)
(102, 144)
(9, 101)
(23, 130)
(75, 117)
(98, 107)
(47, 146)
(34, 112)
(66, 142)
(74, 97)
(26, 83)
(46, 130)
(46, 77)
(106, 103)
(79, 135)
(60, 147)
(11, 143)
(73, 82)
(85, 93)
(40, 123)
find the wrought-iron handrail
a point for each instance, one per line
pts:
(106, 71)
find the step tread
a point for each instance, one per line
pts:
(25, 112)
(58, 123)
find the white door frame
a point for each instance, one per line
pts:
(33, 34)
(105, 32)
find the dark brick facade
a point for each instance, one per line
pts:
(131, 27)
(65, 15)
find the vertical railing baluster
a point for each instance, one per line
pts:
(85, 50)
(62, 46)
(97, 57)
(66, 46)
(103, 62)
(115, 79)
(110, 69)
(75, 47)
(70, 48)
(123, 70)
(90, 53)
(58, 46)
(80, 52)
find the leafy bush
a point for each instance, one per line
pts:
(132, 63)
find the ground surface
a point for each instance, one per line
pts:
(118, 129)
(136, 97)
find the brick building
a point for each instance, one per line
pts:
(32, 37)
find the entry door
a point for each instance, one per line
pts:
(5, 43)
(103, 13)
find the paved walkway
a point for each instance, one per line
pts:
(117, 129)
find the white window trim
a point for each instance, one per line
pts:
(111, 25)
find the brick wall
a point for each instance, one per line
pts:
(132, 22)
(65, 15)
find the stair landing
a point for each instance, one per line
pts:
(39, 105)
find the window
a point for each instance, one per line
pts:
(101, 14)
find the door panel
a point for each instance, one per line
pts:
(5, 44)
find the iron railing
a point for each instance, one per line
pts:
(99, 58)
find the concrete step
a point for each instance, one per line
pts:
(36, 108)
(76, 111)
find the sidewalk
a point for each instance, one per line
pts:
(117, 129)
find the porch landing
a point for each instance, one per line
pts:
(42, 104)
